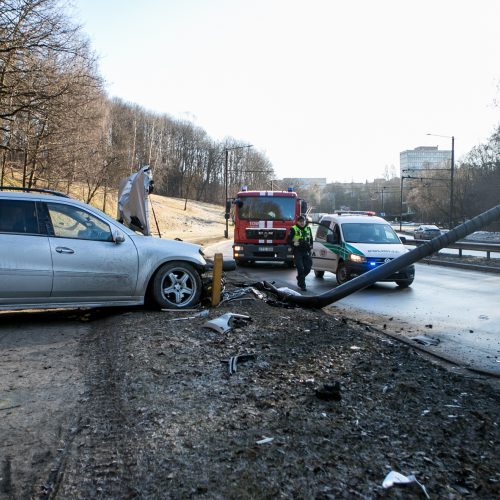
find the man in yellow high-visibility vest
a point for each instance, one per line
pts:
(301, 241)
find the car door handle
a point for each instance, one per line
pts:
(64, 250)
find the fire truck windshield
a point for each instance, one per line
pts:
(266, 208)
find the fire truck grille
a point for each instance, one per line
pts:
(266, 234)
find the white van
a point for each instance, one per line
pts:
(351, 243)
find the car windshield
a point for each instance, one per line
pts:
(369, 233)
(266, 208)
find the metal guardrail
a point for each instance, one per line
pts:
(464, 245)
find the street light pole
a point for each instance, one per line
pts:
(226, 172)
(226, 231)
(452, 174)
(401, 206)
(452, 171)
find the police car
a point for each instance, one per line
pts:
(351, 243)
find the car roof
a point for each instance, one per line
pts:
(428, 226)
(361, 219)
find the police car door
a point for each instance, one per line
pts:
(323, 255)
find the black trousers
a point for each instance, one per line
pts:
(303, 263)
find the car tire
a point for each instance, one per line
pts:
(319, 274)
(404, 283)
(177, 285)
(341, 274)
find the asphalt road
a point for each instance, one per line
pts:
(457, 307)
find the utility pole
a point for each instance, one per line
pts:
(226, 172)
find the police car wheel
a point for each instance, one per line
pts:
(404, 283)
(341, 274)
(319, 274)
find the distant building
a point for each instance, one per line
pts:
(421, 157)
(316, 183)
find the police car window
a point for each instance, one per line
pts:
(73, 222)
(322, 230)
(369, 233)
(18, 217)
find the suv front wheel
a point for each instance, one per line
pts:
(177, 285)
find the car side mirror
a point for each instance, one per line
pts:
(403, 239)
(332, 238)
(118, 236)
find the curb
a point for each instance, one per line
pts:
(460, 265)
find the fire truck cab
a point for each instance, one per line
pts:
(262, 221)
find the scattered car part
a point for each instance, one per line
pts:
(241, 358)
(201, 314)
(133, 200)
(395, 478)
(224, 323)
(423, 340)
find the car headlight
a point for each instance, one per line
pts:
(357, 258)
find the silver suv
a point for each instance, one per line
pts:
(59, 252)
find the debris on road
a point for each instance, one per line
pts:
(224, 323)
(397, 479)
(241, 358)
(424, 340)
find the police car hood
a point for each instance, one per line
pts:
(384, 250)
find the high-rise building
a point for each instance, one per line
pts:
(421, 157)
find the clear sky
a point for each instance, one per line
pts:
(325, 88)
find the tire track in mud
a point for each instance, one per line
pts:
(101, 461)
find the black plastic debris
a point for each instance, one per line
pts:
(329, 392)
(240, 358)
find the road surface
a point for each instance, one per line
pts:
(457, 307)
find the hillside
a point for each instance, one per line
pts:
(200, 222)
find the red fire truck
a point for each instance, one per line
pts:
(262, 221)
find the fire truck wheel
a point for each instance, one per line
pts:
(319, 274)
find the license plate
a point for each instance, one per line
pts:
(265, 249)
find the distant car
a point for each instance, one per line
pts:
(57, 252)
(426, 232)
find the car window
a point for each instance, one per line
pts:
(369, 233)
(17, 216)
(322, 230)
(74, 222)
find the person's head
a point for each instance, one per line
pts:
(301, 220)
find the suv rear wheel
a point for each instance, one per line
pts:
(177, 285)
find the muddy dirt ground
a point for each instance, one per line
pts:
(140, 404)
